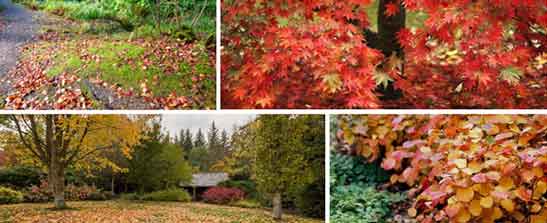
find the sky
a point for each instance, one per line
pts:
(174, 123)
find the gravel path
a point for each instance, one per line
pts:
(20, 27)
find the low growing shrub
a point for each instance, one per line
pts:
(168, 195)
(459, 168)
(99, 196)
(41, 193)
(130, 197)
(38, 194)
(246, 203)
(20, 176)
(356, 204)
(9, 196)
(311, 200)
(223, 195)
(247, 186)
(346, 170)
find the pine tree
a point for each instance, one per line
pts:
(200, 139)
(225, 142)
(188, 144)
(214, 147)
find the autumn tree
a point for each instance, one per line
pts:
(57, 142)
(281, 162)
(465, 54)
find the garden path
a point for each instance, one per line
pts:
(19, 28)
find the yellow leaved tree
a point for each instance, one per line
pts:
(56, 142)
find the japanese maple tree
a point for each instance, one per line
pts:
(323, 54)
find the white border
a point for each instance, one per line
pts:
(218, 43)
(327, 168)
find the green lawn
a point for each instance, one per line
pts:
(125, 212)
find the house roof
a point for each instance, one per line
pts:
(207, 179)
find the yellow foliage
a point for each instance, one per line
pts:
(465, 194)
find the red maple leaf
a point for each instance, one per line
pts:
(391, 9)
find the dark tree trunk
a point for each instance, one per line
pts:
(388, 26)
(386, 41)
(58, 187)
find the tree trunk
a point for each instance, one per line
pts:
(56, 168)
(57, 184)
(277, 207)
(387, 42)
(112, 184)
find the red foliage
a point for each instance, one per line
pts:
(480, 54)
(298, 55)
(312, 54)
(490, 168)
(223, 195)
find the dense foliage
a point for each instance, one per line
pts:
(167, 195)
(157, 164)
(247, 186)
(42, 193)
(173, 15)
(361, 204)
(322, 54)
(488, 168)
(354, 197)
(263, 162)
(9, 196)
(20, 176)
(223, 195)
(346, 170)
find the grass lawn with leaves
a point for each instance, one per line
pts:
(98, 65)
(125, 211)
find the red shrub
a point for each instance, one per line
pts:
(223, 195)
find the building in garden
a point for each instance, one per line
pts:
(203, 181)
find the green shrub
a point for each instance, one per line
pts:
(99, 196)
(130, 197)
(168, 195)
(358, 204)
(311, 201)
(246, 203)
(9, 196)
(20, 176)
(346, 170)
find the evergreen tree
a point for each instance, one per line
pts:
(181, 138)
(187, 144)
(225, 142)
(199, 140)
(213, 146)
(157, 164)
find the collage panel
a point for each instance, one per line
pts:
(438, 168)
(384, 54)
(105, 55)
(162, 168)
